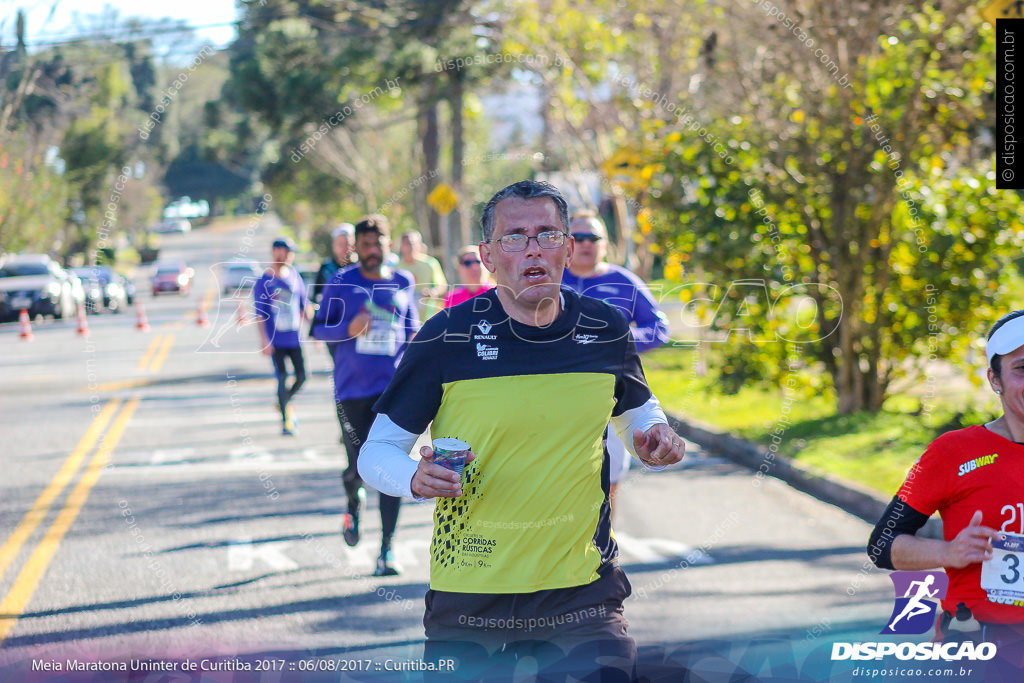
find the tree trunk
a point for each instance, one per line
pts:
(458, 222)
(430, 137)
(848, 379)
(857, 374)
(547, 137)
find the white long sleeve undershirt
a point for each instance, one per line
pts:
(384, 461)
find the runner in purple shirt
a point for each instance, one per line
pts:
(370, 310)
(591, 275)
(280, 305)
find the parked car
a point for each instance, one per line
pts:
(169, 225)
(37, 284)
(112, 294)
(172, 277)
(238, 276)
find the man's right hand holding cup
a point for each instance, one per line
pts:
(433, 481)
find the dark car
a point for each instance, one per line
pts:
(37, 284)
(128, 286)
(113, 293)
(172, 277)
(93, 289)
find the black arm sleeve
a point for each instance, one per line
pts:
(899, 518)
(318, 284)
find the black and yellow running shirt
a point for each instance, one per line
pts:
(533, 404)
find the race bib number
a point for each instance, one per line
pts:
(1002, 577)
(380, 340)
(289, 315)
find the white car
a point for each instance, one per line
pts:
(169, 225)
(238, 276)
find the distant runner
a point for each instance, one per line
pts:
(590, 274)
(370, 310)
(280, 306)
(473, 279)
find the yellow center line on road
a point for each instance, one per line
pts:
(15, 602)
(144, 361)
(12, 546)
(158, 361)
(120, 386)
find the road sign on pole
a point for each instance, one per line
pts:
(1003, 9)
(443, 199)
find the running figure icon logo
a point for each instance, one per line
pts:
(917, 596)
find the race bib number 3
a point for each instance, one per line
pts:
(1002, 577)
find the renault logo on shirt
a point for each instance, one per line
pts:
(485, 329)
(974, 464)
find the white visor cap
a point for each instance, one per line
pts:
(1009, 337)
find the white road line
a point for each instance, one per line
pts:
(243, 554)
(170, 455)
(646, 550)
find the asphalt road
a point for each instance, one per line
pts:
(150, 509)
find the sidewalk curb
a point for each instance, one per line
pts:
(853, 498)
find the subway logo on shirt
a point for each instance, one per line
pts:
(974, 464)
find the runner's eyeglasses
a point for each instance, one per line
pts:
(549, 239)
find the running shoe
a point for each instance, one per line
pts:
(350, 528)
(386, 565)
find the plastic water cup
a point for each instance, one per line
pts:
(451, 454)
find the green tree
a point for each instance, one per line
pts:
(850, 166)
(69, 112)
(33, 198)
(606, 69)
(354, 93)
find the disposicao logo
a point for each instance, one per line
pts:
(917, 596)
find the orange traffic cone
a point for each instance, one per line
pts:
(141, 324)
(201, 318)
(24, 326)
(240, 316)
(83, 326)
